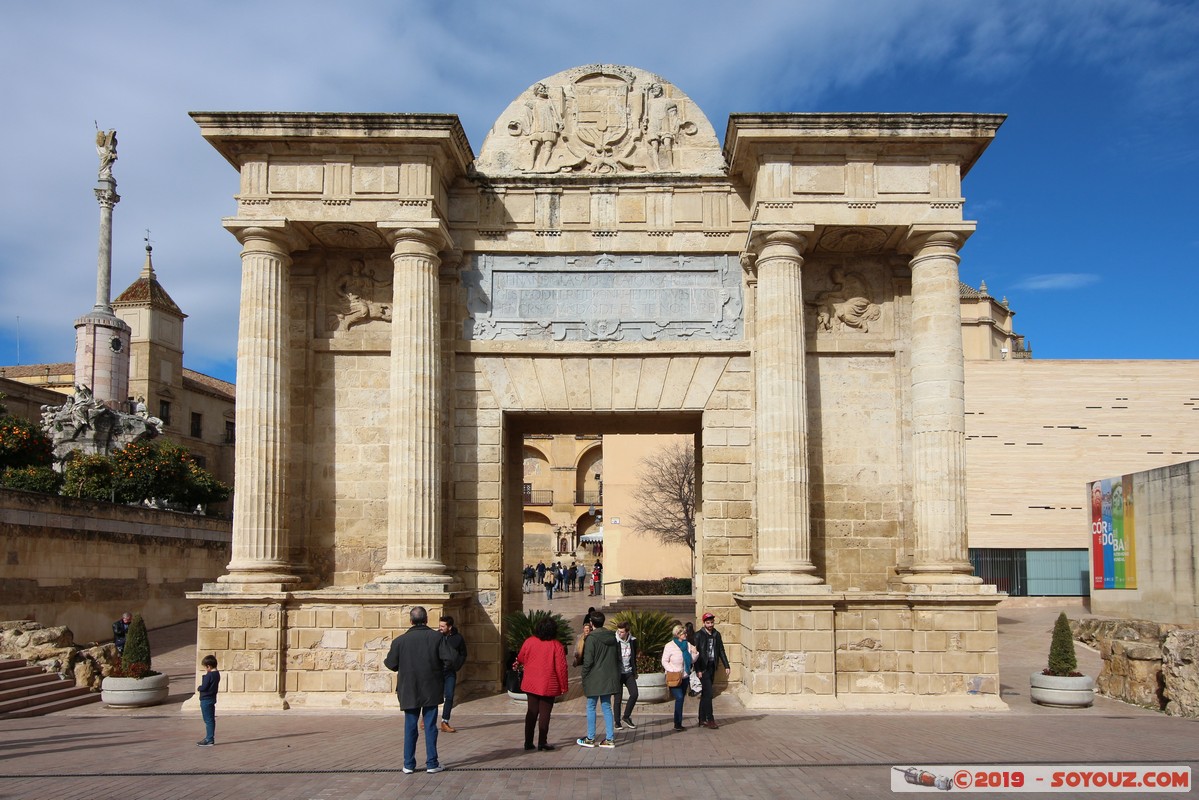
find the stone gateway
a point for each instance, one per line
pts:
(410, 311)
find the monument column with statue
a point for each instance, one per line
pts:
(102, 338)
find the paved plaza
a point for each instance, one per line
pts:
(96, 752)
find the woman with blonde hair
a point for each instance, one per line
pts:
(678, 658)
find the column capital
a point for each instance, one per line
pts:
(796, 237)
(107, 195)
(414, 237)
(943, 236)
(272, 235)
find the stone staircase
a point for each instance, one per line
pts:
(29, 692)
(681, 607)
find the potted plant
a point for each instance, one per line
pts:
(133, 682)
(1060, 683)
(518, 626)
(652, 630)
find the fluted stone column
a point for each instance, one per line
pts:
(783, 558)
(938, 412)
(414, 466)
(260, 541)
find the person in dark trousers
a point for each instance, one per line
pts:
(207, 690)
(627, 643)
(544, 679)
(419, 657)
(454, 639)
(711, 654)
(120, 629)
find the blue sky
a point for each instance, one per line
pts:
(1085, 202)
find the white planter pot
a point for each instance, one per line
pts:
(519, 697)
(1052, 690)
(131, 692)
(651, 688)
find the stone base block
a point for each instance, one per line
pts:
(901, 650)
(311, 649)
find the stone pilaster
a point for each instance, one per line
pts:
(414, 467)
(938, 411)
(783, 558)
(261, 557)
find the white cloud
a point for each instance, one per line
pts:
(1057, 280)
(140, 67)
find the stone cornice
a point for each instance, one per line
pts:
(223, 129)
(747, 132)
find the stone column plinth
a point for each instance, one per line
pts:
(783, 557)
(414, 467)
(938, 412)
(261, 558)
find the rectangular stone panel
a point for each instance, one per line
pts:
(604, 297)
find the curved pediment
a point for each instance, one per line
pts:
(601, 119)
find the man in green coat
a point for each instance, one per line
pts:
(601, 679)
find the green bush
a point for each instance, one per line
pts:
(135, 661)
(651, 629)
(1062, 661)
(22, 444)
(89, 477)
(521, 624)
(31, 479)
(663, 586)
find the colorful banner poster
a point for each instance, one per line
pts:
(1113, 545)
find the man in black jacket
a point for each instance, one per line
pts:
(711, 653)
(627, 643)
(458, 645)
(419, 656)
(120, 630)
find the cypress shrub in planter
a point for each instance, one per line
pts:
(1060, 684)
(134, 683)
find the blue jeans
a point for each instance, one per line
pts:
(679, 693)
(208, 712)
(451, 681)
(606, 706)
(428, 720)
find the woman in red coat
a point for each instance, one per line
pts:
(544, 660)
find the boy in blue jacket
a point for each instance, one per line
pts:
(208, 689)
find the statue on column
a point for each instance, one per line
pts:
(106, 148)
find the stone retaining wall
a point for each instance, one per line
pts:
(1149, 664)
(80, 564)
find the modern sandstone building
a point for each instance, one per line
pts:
(410, 312)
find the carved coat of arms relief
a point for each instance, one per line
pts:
(602, 123)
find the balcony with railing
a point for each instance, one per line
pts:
(587, 497)
(539, 497)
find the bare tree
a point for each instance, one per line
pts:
(666, 495)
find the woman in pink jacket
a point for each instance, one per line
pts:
(679, 656)
(544, 660)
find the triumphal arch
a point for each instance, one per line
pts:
(410, 310)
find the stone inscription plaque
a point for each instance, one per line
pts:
(603, 297)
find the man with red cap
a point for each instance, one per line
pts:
(711, 653)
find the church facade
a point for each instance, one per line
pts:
(410, 312)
